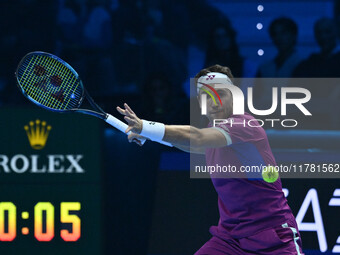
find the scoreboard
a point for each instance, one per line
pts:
(50, 183)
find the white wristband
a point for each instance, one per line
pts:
(153, 130)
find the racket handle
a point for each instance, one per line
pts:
(121, 126)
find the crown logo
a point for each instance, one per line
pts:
(37, 133)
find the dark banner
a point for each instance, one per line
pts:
(50, 183)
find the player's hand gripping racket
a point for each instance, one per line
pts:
(51, 83)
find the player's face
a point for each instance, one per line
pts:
(214, 108)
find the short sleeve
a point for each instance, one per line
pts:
(224, 130)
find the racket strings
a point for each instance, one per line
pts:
(36, 82)
(49, 82)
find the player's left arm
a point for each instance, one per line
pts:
(181, 136)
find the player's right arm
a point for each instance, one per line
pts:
(133, 137)
(184, 137)
(195, 138)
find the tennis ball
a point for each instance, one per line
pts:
(270, 174)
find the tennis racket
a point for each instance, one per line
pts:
(52, 84)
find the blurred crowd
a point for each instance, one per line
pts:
(137, 51)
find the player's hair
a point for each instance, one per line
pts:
(217, 69)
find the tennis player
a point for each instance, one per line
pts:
(254, 215)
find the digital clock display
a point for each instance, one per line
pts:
(44, 221)
(50, 183)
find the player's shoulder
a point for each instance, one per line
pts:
(245, 124)
(246, 116)
(242, 128)
(238, 122)
(247, 119)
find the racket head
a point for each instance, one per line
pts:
(49, 82)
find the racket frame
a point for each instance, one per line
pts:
(100, 114)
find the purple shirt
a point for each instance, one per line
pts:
(246, 206)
